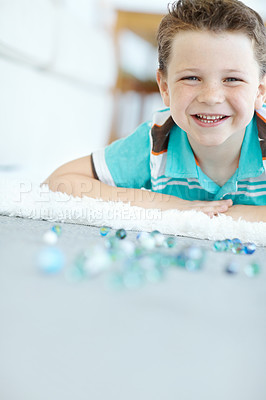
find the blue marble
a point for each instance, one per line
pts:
(232, 268)
(50, 260)
(250, 248)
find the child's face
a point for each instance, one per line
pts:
(212, 85)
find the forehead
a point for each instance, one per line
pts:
(203, 48)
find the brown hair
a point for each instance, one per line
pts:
(213, 15)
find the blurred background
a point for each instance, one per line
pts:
(74, 76)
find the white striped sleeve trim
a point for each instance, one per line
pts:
(248, 194)
(101, 168)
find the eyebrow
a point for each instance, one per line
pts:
(234, 70)
(230, 70)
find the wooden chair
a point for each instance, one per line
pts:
(145, 26)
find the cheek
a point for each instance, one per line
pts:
(242, 114)
(236, 98)
(181, 97)
(243, 102)
(247, 96)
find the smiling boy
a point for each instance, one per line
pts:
(205, 151)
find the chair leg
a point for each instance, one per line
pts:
(113, 135)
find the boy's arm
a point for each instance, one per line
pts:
(248, 213)
(76, 178)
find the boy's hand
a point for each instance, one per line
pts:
(210, 208)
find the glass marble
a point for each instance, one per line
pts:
(153, 233)
(252, 269)
(111, 242)
(229, 244)
(170, 242)
(104, 230)
(148, 243)
(96, 263)
(158, 237)
(127, 247)
(194, 258)
(232, 268)
(250, 248)
(194, 252)
(191, 258)
(236, 240)
(146, 240)
(168, 261)
(50, 237)
(181, 259)
(50, 260)
(139, 250)
(150, 266)
(192, 265)
(57, 229)
(121, 233)
(238, 248)
(220, 245)
(143, 235)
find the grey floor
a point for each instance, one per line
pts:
(197, 335)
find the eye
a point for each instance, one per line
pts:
(233, 80)
(190, 78)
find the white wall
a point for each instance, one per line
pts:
(56, 70)
(46, 121)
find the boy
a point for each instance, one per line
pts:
(205, 151)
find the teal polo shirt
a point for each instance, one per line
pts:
(183, 168)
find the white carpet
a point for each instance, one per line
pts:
(24, 198)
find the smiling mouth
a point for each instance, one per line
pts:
(210, 119)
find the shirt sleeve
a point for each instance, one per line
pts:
(126, 162)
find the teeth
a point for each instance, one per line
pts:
(209, 117)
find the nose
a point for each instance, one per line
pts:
(211, 93)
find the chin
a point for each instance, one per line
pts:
(211, 143)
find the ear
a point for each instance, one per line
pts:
(261, 94)
(163, 86)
